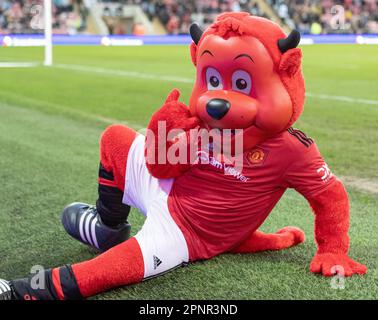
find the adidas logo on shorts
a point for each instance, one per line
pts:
(157, 262)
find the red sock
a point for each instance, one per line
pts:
(117, 267)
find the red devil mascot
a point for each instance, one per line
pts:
(249, 86)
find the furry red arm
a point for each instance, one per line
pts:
(310, 176)
(331, 209)
(161, 149)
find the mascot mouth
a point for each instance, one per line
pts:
(231, 131)
(224, 109)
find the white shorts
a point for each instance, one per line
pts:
(161, 241)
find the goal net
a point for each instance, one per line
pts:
(25, 33)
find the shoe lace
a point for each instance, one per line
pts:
(92, 210)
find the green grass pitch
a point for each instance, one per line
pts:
(50, 122)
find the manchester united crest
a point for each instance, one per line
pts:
(256, 156)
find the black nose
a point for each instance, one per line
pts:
(217, 108)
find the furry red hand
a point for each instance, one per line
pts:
(175, 113)
(175, 119)
(328, 264)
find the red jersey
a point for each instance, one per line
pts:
(217, 208)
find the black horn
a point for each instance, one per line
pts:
(195, 32)
(290, 42)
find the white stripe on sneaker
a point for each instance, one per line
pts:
(93, 232)
(86, 227)
(81, 228)
(88, 224)
(4, 286)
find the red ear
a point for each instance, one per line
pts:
(290, 62)
(193, 53)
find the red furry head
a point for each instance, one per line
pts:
(248, 75)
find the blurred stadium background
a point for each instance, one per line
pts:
(174, 17)
(111, 63)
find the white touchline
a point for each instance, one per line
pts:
(72, 111)
(123, 73)
(149, 76)
(18, 64)
(341, 98)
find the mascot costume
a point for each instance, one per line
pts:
(249, 82)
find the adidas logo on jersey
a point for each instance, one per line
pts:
(157, 262)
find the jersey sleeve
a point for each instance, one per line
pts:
(308, 173)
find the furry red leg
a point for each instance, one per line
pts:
(115, 144)
(260, 241)
(119, 266)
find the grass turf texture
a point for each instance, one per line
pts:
(50, 122)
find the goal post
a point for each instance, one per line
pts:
(47, 16)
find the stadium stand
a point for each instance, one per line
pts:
(25, 16)
(308, 16)
(178, 15)
(318, 16)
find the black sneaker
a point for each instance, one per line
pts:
(5, 290)
(83, 223)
